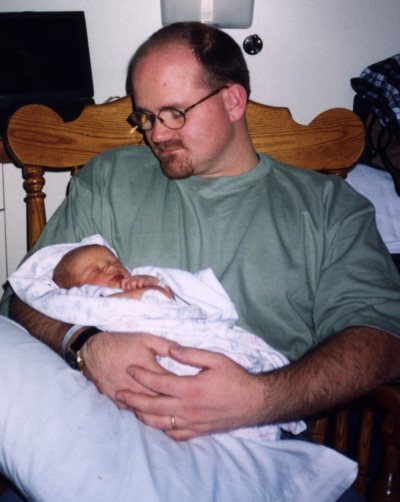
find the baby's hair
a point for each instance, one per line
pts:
(62, 274)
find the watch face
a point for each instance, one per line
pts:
(71, 359)
(73, 356)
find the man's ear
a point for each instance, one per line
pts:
(235, 99)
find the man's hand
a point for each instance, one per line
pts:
(107, 355)
(222, 396)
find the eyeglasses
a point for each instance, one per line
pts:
(170, 117)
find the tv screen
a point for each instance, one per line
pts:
(44, 58)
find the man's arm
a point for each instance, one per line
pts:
(224, 396)
(45, 329)
(110, 353)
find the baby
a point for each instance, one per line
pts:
(97, 265)
(86, 284)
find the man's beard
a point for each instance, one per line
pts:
(175, 166)
(176, 169)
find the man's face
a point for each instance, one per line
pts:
(171, 76)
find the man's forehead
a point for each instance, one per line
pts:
(173, 50)
(166, 64)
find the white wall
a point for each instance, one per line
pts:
(311, 47)
(311, 50)
(314, 47)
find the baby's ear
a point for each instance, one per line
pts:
(235, 98)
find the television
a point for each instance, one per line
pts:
(44, 58)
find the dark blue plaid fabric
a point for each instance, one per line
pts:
(379, 84)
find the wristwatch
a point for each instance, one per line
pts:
(73, 355)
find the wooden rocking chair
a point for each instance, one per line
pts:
(38, 139)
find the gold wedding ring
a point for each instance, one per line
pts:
(173, 423)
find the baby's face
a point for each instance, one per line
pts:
(99, 266)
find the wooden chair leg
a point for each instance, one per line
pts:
(386, 488)
(33, 185)
(364, 450)
(341, 442)
(320, 430)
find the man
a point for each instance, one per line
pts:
(298, 252)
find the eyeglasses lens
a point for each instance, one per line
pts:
(141, 120)
(170, 117)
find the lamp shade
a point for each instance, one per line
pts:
(221, 13)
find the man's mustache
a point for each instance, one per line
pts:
(167, 145)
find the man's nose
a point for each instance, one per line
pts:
(160, 132)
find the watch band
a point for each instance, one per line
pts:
(73, 356)
(67, 337)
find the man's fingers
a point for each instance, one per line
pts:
(163, 382)
(181, 435)
(151, 410)
(160, 346)
(199, 358)
(173, 426)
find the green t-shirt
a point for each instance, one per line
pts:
(297, 251)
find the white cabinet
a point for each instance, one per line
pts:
(14, 216)
(13, 237)
(3, 261)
